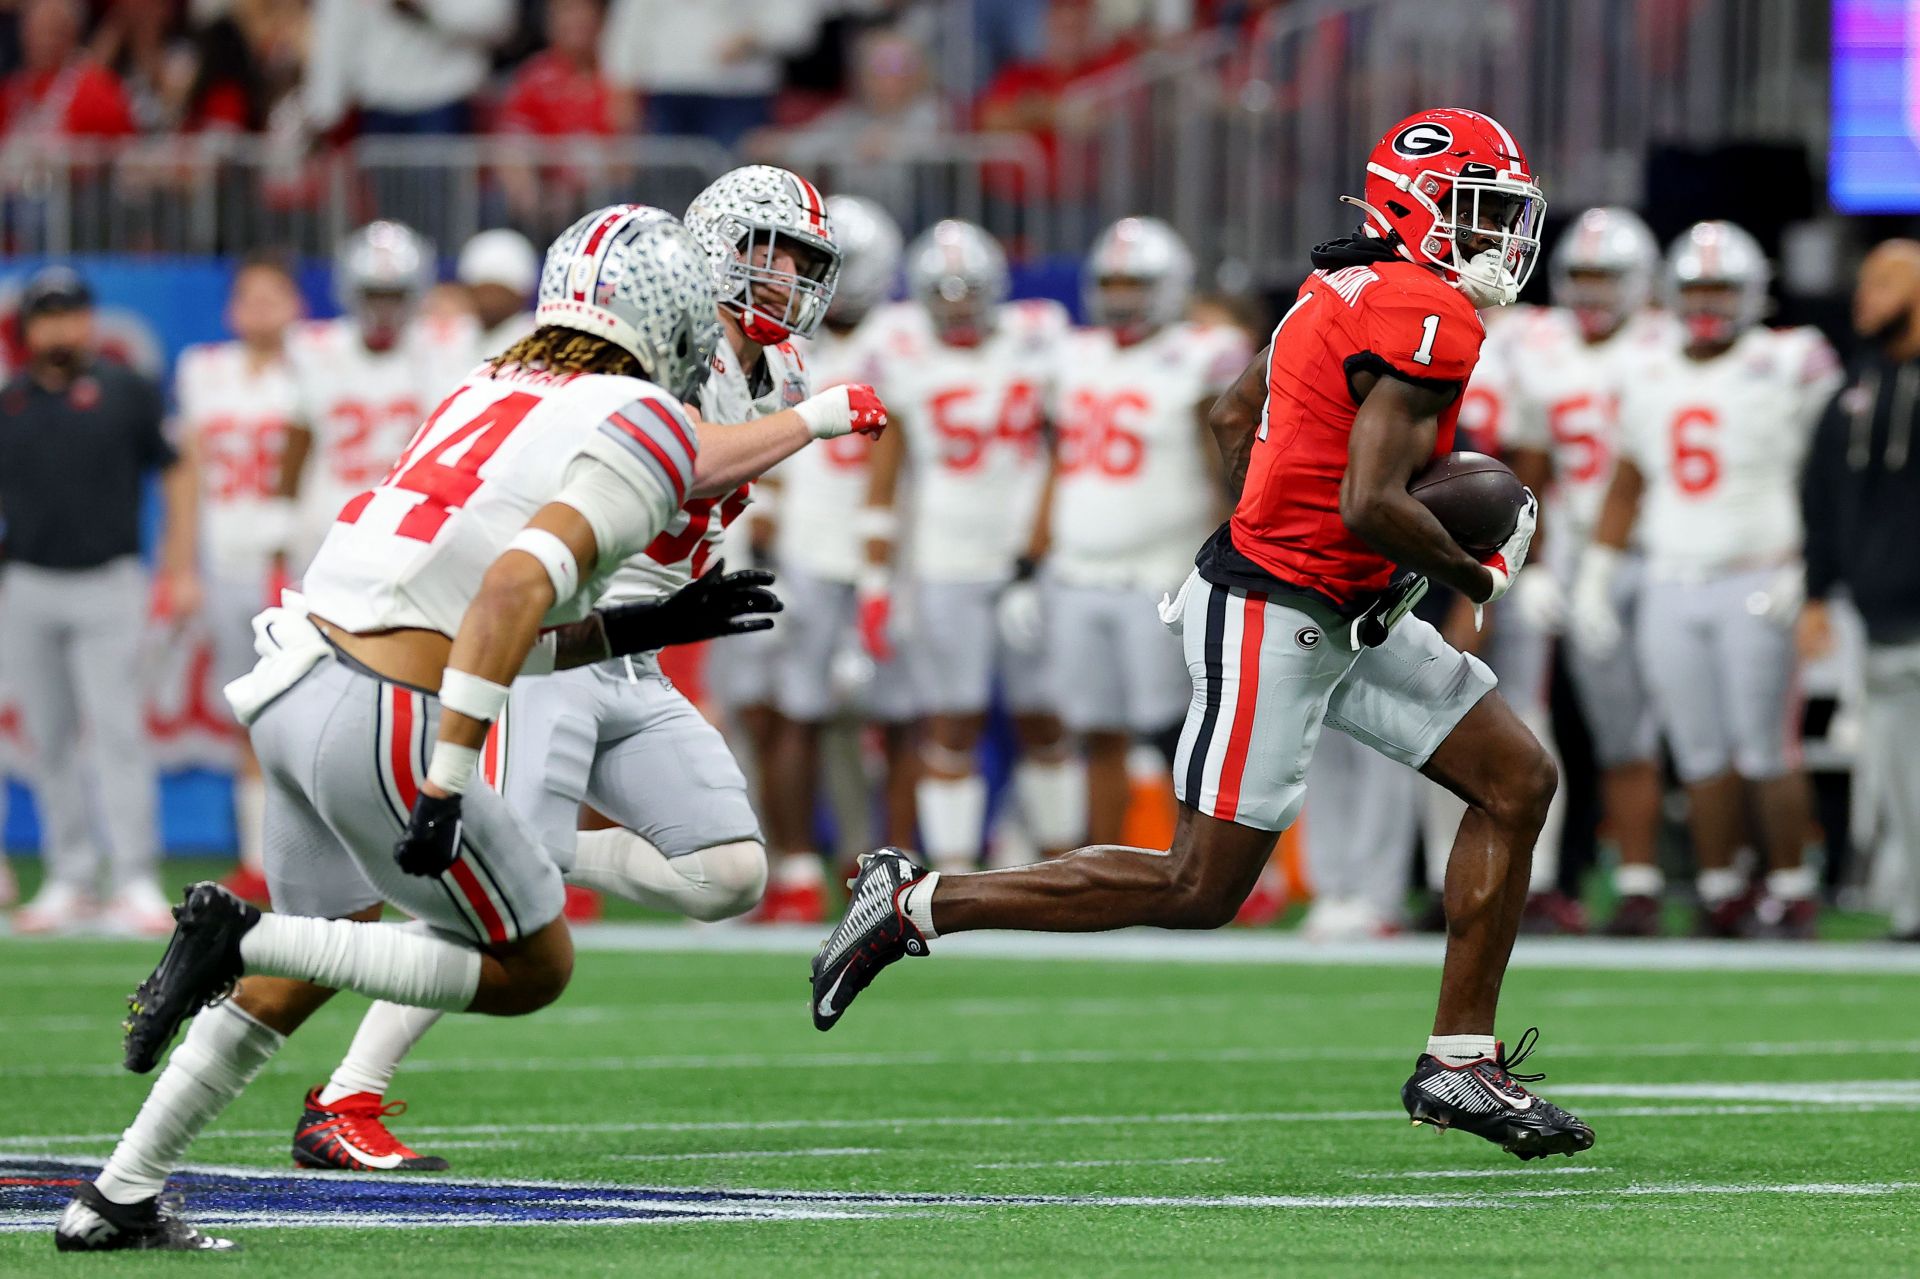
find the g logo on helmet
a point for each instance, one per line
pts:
(1423, 139)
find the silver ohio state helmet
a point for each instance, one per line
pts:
(1709, 253)
(1609, 241)
(382, 257)
(870, 248)
(1145, 251)
(958, 272)
(633, 275)
(744, 221)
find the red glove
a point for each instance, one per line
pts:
(874, 609)
(865, 412)
(839, 410)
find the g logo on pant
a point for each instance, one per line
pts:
(1307, 637)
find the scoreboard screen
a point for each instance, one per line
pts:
(1873, 154)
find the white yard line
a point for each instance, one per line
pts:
(697, 1156)
(1101, 1163)
(1449, 1174)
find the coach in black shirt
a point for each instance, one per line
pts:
(78, 437)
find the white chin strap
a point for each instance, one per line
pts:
(1486, 281)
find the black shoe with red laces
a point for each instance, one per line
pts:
(1488, 1100)
(351, 1134)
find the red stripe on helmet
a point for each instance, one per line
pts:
(810, 197)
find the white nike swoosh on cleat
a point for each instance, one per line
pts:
(1507, 1101)
(826, 1000)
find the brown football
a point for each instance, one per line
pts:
(1475, 498)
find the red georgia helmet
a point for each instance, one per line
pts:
(1443, 176)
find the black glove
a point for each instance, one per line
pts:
(719, 603)
(432, 841)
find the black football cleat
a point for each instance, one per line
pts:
(351, 1135)
(1486, 1099)
(873, 933)
(92, 1222)
(201, 966)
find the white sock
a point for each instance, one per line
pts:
(249, 819)
(800, 870)
(953, 815)
(711, 884)
(1460, 1050)
(1794, 884)
(1638, 881)
(380, 961)
(919, 904)
(1716, 886)
(1053, 801)
(387, 1034)
(223, 1050)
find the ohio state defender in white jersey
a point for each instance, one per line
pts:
(236, 401)
(1136, 485)
(970, 375)
(365, 380)
(508, 506)
(1712, 440)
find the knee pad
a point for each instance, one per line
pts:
(731, 879)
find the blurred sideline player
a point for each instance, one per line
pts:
(439, 577)
(967, 376)
(819, 546)
(235, 401)
(1136, 485)
(500, 271)
(1712, 442)
(366, 379)
(617, 736)
(1296, 616)
(1575, 369)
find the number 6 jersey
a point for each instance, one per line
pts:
(1719, 443)
(410, 552)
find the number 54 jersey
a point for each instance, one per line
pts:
(972, 419)
(410, 552)
(1720, 443)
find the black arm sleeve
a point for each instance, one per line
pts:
(1823, 471)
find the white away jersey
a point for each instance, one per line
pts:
(410, 551)
(237, 415)
(972, 420)
(363, 406)
(691, 540)
(1720, 443)
(824, 485)
(1134, 496)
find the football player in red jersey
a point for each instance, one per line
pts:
(1295, 616)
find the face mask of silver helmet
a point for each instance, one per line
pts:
(633, 275)
(770, 247)
(870, 247)
(1139, 278)
(1603, 268)
(380, 273)
(959, 274)
(1717, 282)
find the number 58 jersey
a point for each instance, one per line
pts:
(411, 551)
(972, 419)
(1719, 443)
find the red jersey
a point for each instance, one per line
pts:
(551, 97)
(1385, 316)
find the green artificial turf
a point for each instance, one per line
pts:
(1748, 1123)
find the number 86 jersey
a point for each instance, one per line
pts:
(1719, 443)
(411, 551)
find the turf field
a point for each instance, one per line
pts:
(1087, 1109)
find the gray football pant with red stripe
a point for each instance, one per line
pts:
(343, 755)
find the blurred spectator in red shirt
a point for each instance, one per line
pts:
(227, 92)
(558, 93)
(58, 92)
(1028, 97)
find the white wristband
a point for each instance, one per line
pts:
(472, 696)
(562, 569)
(452, 767)
(875, 524)
(828, 414)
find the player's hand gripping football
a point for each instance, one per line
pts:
(715, 604)
(1505, 564)
(432, 841)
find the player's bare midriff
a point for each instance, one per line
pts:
(413, 657)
